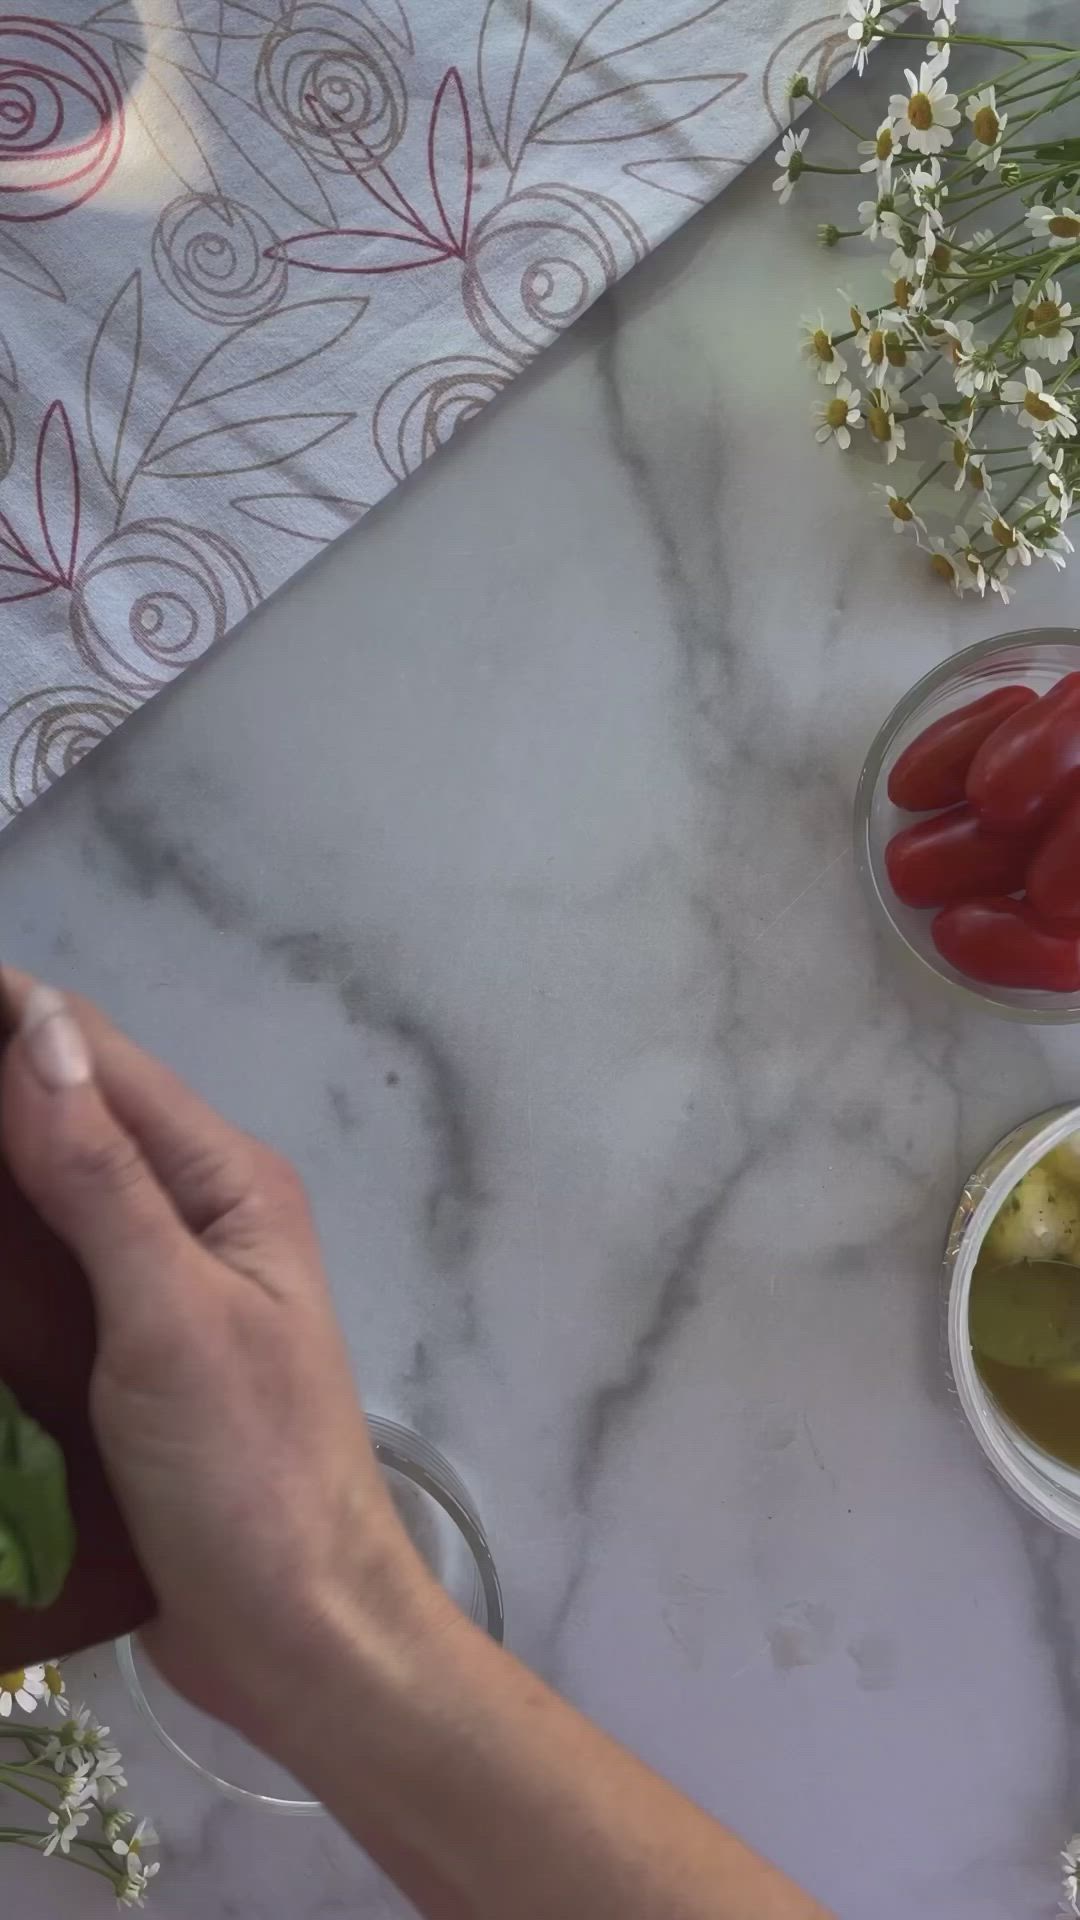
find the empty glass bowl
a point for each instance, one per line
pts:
(442, 1521)
(1036, 658)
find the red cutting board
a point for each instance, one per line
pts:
(47, 1343)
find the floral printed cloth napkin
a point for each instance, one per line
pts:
(258, 260)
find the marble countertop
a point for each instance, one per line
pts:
(499, 872)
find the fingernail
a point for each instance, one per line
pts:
(54, 1044)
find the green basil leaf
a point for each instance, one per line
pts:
(37, 1532)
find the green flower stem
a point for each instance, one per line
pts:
(13, 1786)
(982, 40)
(812, 166)
(838, 117)
(925, 481)
(72, 1860)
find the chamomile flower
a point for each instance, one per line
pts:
(107, 1774)
(900, 510)
(862, 30)
(988, 123)
(1008, 535)
(789, 158)
(949, 563)
(1054, 491)
(879, 216)
(22, 1688)
(967, 556)
(131, 1846)
(1038, 407)
(839, 415)
(925, 188)
(55, 1690)
(1070, 1875)
(941, 39)
(1051, 541)
(133, 1891)
(1054, 226)
(973, 369)
(1045, 335)
(66, 1820)
(817, 347)
(881, 417)
(940, 9)
(879, 155)
(924, 116)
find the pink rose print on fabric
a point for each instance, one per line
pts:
(61, 119)
(540, 260)
(333, 87)
(46, 733)
(150, 599)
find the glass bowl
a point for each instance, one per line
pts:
(441, 1520)
(1036, 658)
(1045, 1485)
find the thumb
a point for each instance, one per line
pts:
(77, 1165)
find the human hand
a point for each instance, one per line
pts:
(222, 1397)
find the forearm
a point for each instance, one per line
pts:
(482, 1794)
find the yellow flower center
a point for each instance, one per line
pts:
(901, 291)
(895, 351)
(13, 1681)
(1065, 226)
(1003, 534)
(54, 1680)
(920, 112)
(836, 413)
(986, 126)
(879, 422)
(942, 257)
(943, 567)
(1038, 408)
(1044, 318)
(899, 508)
(883, 145)
(857, 320)
(976, 476)
(822, 345)
(959, 452)
(875, 346)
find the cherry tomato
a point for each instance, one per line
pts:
(1005, 943)
(1028, 765)
(1053, 875)
(954, 857)
(931, 771)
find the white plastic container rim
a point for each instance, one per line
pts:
(1045, 1485)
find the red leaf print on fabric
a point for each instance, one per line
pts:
(61, 119)
(450, 160)
(58, 495)
(358, 250)
(413, 243)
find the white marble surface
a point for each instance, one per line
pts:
(499, 871)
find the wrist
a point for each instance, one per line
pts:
(346, 1644)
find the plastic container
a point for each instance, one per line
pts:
(1037, 658)
(441, 1519)
(1046, 1485)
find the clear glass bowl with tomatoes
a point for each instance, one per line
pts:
(967, 823)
